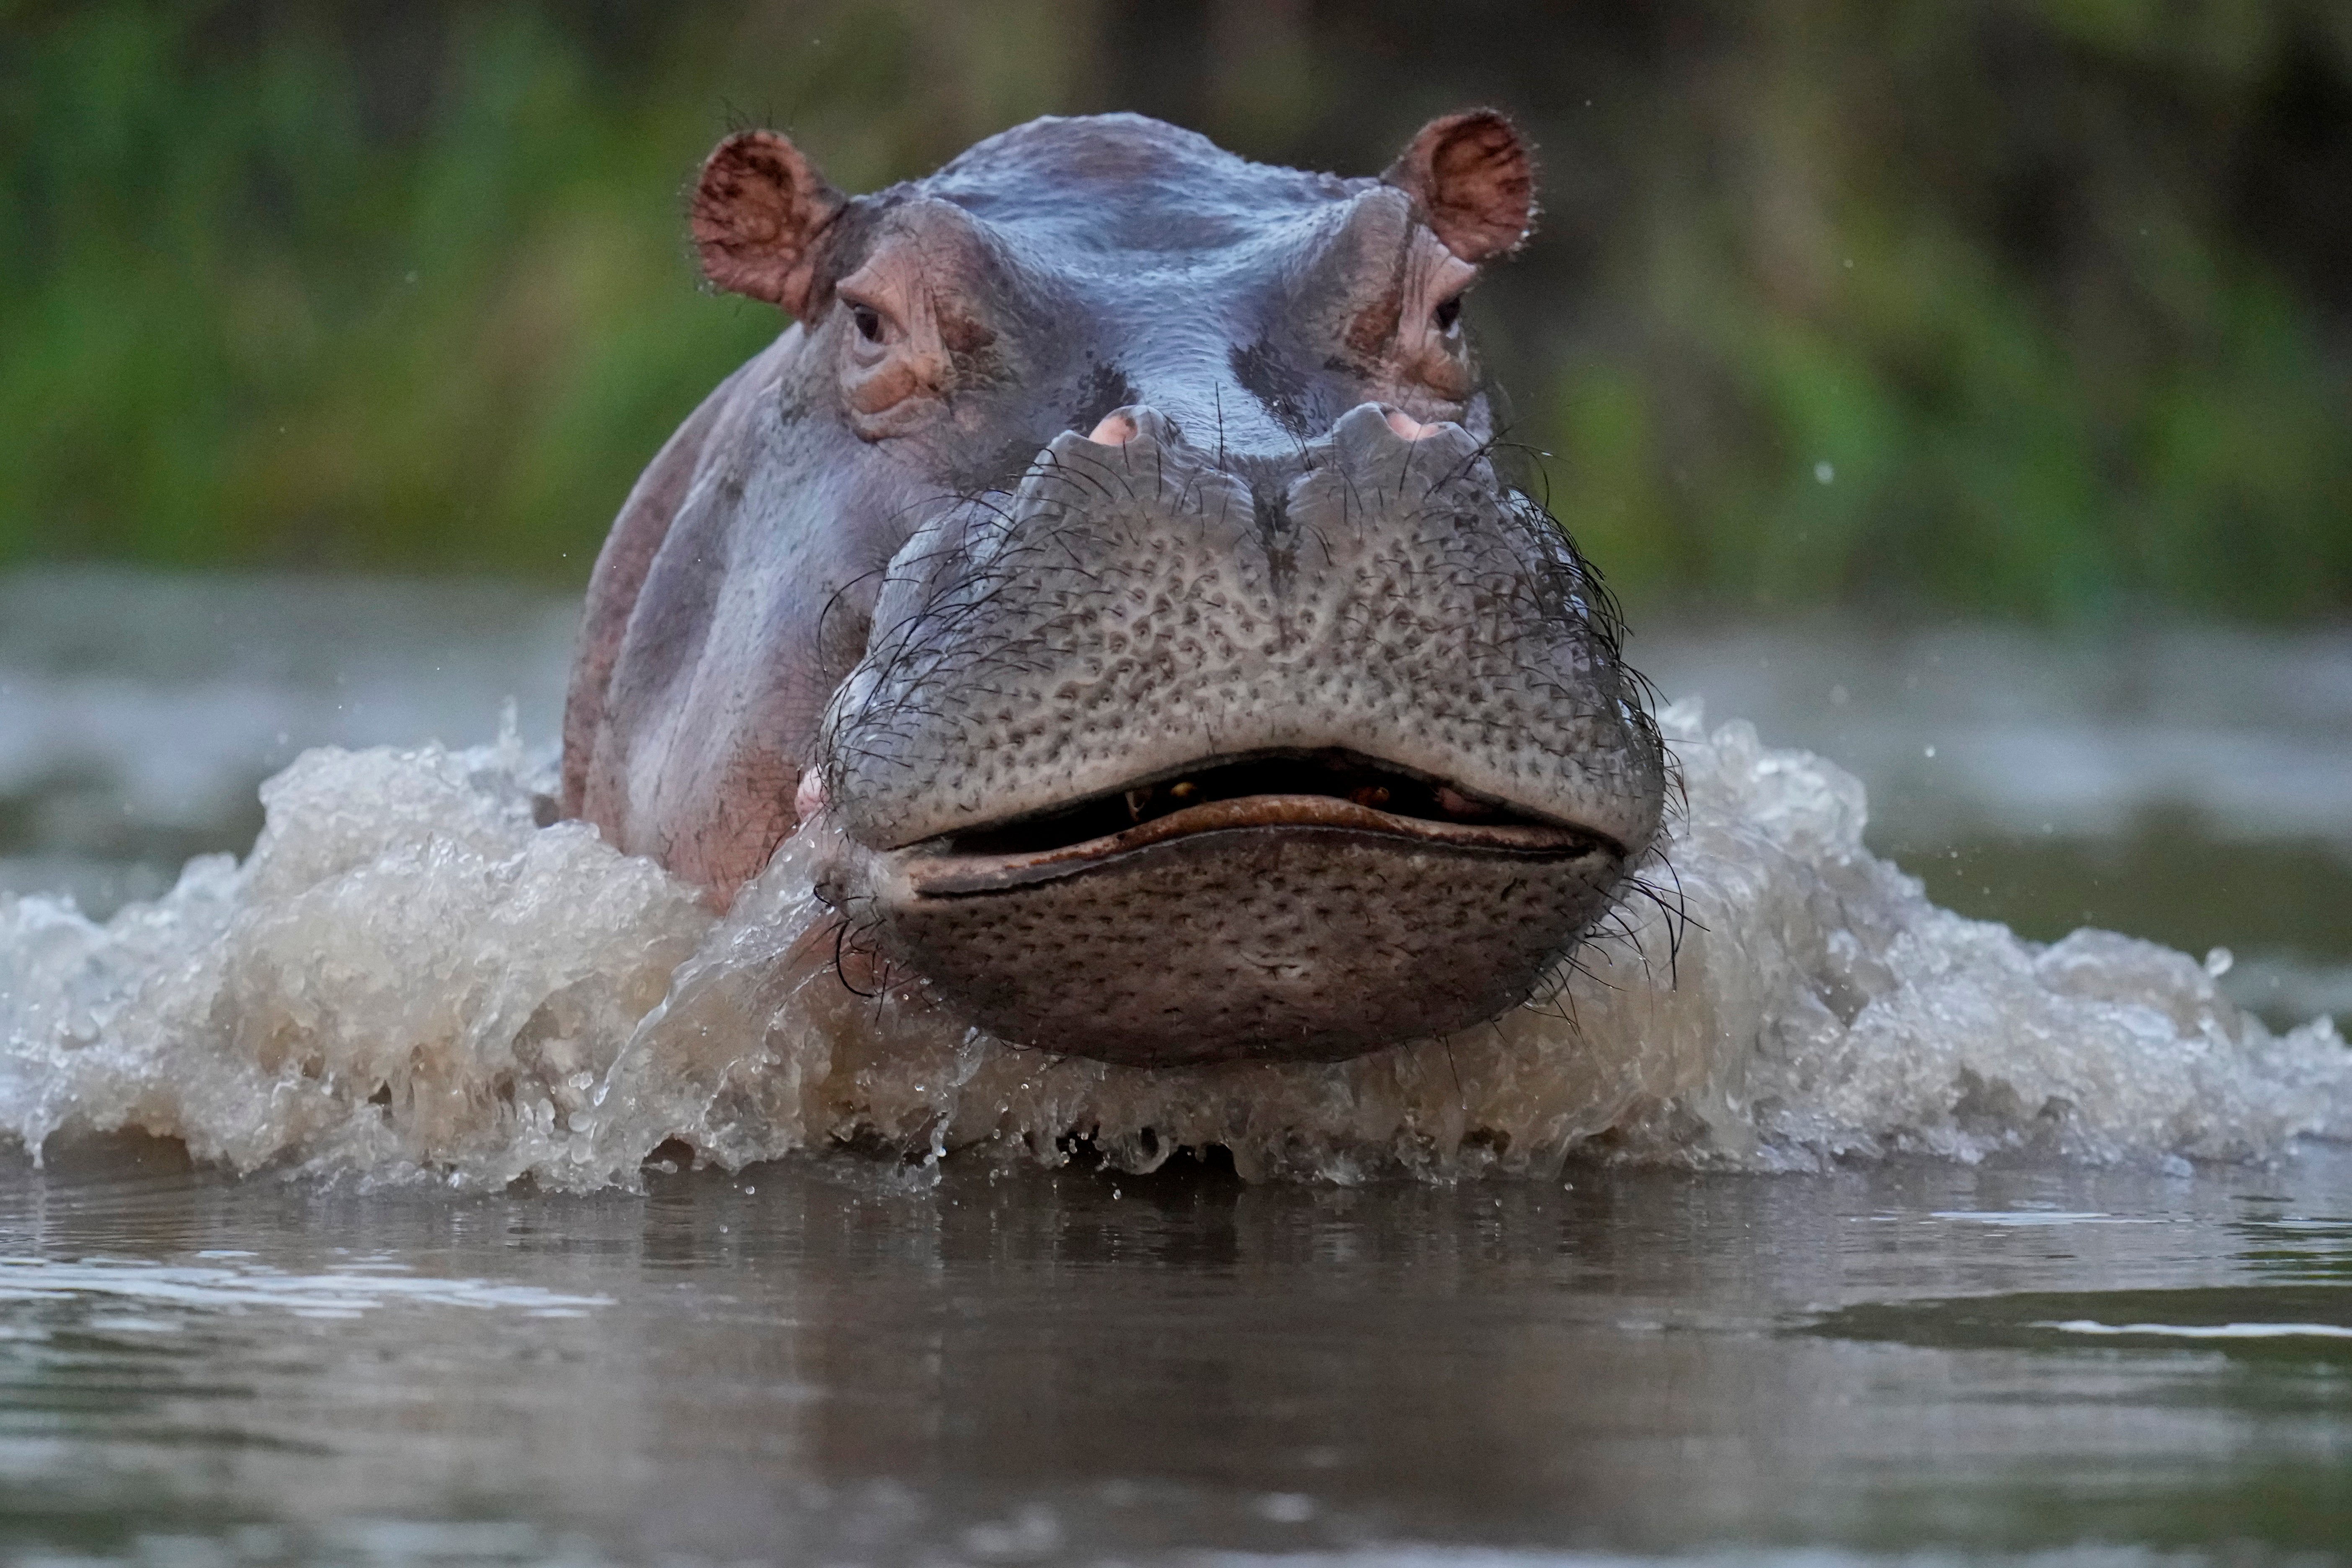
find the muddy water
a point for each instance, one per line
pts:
(857, 1358)
(839, 1364)
(2187, 784)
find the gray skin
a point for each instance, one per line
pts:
(1112, 553)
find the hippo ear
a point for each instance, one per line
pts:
(758, 210)
(1474, 182)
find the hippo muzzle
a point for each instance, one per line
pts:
(1113, 568)
(1165, 762)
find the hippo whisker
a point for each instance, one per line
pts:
(1099, 469)
(1673, 912)
(842, 949)
(1068, 469)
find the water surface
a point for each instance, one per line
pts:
(850, 1361)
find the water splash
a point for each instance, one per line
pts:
(409, 980)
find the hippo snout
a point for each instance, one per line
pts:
(1172, 759)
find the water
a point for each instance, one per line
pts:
(814, 1364)
(138, 713)
(2187, 784)
(2033, 1298)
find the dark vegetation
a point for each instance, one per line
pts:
(2028, 307)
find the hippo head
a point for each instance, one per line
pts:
(1115, 556)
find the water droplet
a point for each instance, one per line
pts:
(1824, 472)
(2218, 962)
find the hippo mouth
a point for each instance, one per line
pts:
(1290, 905)
(1324, 791)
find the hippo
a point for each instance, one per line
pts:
(1114, 560)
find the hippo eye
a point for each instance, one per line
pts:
(868, 320)
(1447, 314)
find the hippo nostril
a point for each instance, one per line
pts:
(1406, 425)
(1117, 429)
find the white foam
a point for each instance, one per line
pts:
(408, 980)
(185, 1289)
(1419, 1555)
(2203, 1331)
(2015, 1219)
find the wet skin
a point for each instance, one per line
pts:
(1113, 558)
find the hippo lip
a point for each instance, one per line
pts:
(1320, 792)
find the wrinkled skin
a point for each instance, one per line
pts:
(1113, 555)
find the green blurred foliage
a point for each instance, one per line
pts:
(2027, 307)
(312, 286)
(1967, 305)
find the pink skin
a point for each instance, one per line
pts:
(809, 799)
(1455, 802)
(1406, 425)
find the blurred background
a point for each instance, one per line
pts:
(2037, 307)
(1962, 388)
